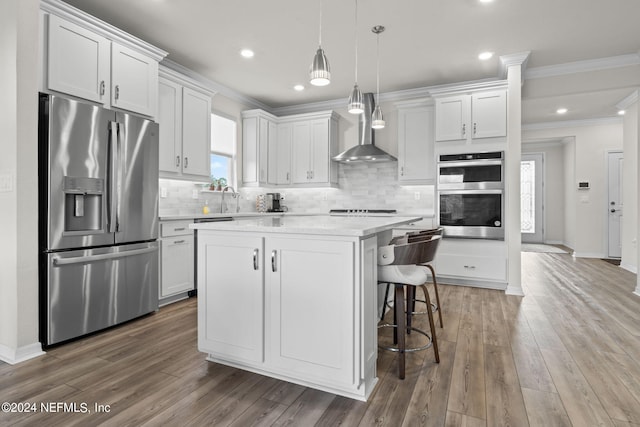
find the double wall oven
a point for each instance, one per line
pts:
(471, 194)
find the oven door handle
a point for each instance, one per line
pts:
(463, 163)
(477, 192)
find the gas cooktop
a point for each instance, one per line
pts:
(363, 212)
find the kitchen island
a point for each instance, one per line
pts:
(293, 297)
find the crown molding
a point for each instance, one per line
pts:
(91, 23)
(506, 61)
(461, 88)
(628, 101)
(572, 123)
(168, 73)
(212, 86)
(583, 66)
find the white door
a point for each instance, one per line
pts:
(614, 206)
(452, 116)
(531, 197)
(415, 145)
(489, 111)
(196, 133)
(134, 81)
(301, 153)
(170, 138)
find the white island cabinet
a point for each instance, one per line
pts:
(293, 298)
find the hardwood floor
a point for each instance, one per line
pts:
(568, 353)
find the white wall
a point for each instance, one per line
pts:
(554, 187)
(18, 163)
(592, 142)
(629, 232)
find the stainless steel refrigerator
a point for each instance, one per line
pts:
(98, 216)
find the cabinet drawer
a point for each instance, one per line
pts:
(472, 267)
(175, 228)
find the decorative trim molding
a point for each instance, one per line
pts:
(572, 123)
(214, 86)
(170, 74)
(628, 101)
(460, 88)
(583, 66)
(588, 255)
(507, 61)
(92, 23)
(20, 354)
(514, 290)
(628, 267)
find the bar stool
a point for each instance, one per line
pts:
(414, 236)
(400, 265)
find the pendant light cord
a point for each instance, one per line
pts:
(356, 30)
(320, 32)
(377, 67)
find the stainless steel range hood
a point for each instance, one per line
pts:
(365, 151)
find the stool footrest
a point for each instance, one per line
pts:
(406, 350)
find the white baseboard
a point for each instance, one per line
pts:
(629, 267)
(20, 354)
(554, 242)
(589, 255)
(514, 290)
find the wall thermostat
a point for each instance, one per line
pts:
(583, 185)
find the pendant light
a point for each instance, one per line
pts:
(319, 72)
(356, 103)
(377, 120)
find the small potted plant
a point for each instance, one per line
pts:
(222, 182)
(214, 183)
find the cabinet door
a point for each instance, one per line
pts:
(196, 133)
(301, 153)
(280, 156)
(176, 265)
(169, 120)
(416, 158)
(231, 296)
(489, 114)
(134, 81)
(319, 151)
(310, 308)
(452, 118)
(78, 61)
(264, 140)
(250, 150)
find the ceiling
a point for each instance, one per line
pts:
(584, 53)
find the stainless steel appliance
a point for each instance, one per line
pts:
(273, 203)
(471, 195)
(98, 218)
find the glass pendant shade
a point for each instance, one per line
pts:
(377, 120)
(356, 102)
(320, 74)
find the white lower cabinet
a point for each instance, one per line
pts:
(176, 258)
(484, 262)
(295, 307)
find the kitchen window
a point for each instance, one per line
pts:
(223, 148)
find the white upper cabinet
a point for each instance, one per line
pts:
(134, 81)
(89, 59)
(416, 158)
(184, 116)
(78, 61)
(471, 116)
(259, 133)
(314, 143)
(280, 156)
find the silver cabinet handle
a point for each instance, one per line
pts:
(179, 229)
(117, 92)
(186, 162)
(273, 261)
(177, 242)
(470, 266)
(177, 160)
(402, 171)
(311, 174)
(474, 128)
(287, 176)
(255, 258)
(102, 88)
(464, 129)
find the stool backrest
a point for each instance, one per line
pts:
(420, 251)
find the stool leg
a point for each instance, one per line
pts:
(411, 306)
(435, 286)
(432, 325)
(400, 319)
(384, 303)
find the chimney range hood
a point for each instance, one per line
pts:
(365, 151)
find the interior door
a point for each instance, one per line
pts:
(615, 167)
(531, 198)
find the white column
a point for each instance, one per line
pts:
(19, 180)
(514, 68)
(637, 111)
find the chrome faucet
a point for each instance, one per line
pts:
(235, 196)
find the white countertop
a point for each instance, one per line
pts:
(305, 224)
(177, 216)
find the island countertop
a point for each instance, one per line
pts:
(357, 226)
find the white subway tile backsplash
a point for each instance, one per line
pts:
(362, 186)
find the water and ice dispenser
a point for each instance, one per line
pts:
(84, 198)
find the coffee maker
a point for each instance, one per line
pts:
(273, 202)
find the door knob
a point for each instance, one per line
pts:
(613, 210)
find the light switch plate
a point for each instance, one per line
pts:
(163, 192)
(416, 195)
(194, 194)
(6, 183)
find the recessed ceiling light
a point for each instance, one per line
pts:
(561, 110)
(247, 53)
(486, 1)
(485, 55)
(298, 87)
(621, 112)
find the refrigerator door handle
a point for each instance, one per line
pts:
(112, 177)
(93, 258)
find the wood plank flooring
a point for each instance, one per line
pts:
(566, 354)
